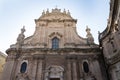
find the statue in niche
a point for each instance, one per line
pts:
(21, 37)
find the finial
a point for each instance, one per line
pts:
(68, 12)
(56, 10)
(47, 11)
(64, 11)
(43, 12)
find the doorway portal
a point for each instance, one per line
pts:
(54, 73)
(54, 78)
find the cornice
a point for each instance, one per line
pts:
(47, 50)
(56, 20)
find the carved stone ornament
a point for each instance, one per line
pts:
(22, 76)
(90, 76)
(20, 38)
(54, 72)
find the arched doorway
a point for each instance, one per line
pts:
(54, 73)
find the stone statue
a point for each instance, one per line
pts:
(89, 36)
(21, 37)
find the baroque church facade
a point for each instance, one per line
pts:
(56, 52)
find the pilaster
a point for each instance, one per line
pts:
(39, 70)
(74, 67)
(69, 75)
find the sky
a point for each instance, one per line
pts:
(14, 14)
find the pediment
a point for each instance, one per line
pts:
(55, 34)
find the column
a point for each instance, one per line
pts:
(74, 70)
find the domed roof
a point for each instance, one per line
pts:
(55, 14)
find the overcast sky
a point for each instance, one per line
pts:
(14, 14)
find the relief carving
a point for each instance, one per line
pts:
(54, 72)
(22, 76)
(90, 76)
(55, 34)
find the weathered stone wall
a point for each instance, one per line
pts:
(110, 41)
(2, 62)
(68, 62)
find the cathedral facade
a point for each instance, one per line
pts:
(56, 52)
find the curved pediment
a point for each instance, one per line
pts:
(55, 34)
(60, 25)
(55, 15)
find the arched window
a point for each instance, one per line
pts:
(85, 67)
(23, 67)
(55, 43)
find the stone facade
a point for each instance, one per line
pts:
(110, 42)
(2, 62)
(54, 52)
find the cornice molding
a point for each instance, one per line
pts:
(56, 20)
(49, 50)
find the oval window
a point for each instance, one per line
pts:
(85, 67)
(23, 67)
